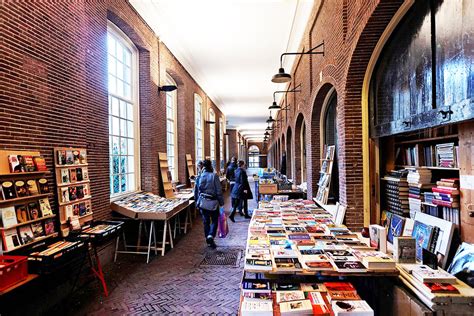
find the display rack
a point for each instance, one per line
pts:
(26, 209)
(324, 182)
(166, 185)
(190, 169)
(73, 187)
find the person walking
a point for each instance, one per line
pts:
(240, 190)
(230, 175)
(208, 190)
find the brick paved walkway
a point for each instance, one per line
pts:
(175, 284)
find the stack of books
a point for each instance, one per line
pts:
(396, 192)
(419, 181)
(446, 198)
(447, 155)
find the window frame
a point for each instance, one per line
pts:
(120, 36)
(174, 121)
(212, 135)
(221, 142)
(198, 100)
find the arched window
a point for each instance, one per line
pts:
(171, 126)
(330, 138)
(198, 127)
(254, 157)
(124, 142)
(221, 143)
(303, 152)
(212, 136)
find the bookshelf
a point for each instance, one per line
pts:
(325, 175)
(73, 187)
(166, 185)
(26, 216)
(190, 169)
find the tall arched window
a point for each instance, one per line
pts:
(123, 112)
(254, 157)
(171, 126)
(212, 136)
(330, 138)
(221, 142)
(303, 152)
(198, 128)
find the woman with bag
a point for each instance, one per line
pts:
(208, 190)
(241, 190)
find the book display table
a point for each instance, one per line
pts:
(148, 208)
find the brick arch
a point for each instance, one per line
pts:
(314, 131)
(136, 38)
(289, 153)
(298, 154)
(350, 111)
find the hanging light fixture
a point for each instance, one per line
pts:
(274, 105)
(270, 119)
(282, 76)
(266, 134)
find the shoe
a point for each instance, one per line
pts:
(241, 213)
(246, 216)
(212, 244)
(209, 240)
(231, 217)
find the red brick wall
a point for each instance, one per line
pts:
(350, 31)
(53, 79)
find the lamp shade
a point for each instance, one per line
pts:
(274, 106)
(270, 119)
(281, 76)
(266, 134)
(167, 88)
(268, 128)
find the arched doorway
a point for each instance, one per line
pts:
(299, 173)
(253, 157)
(329, 138)
(289, 156)
(283, 156)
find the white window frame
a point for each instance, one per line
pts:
(221, 143)
(198, 127)
(212, 135)
(173, 157)
(114, 31)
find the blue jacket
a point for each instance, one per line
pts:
(241, 184)
(209, 183)
(230, 172)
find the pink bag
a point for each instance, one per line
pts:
(222, 227)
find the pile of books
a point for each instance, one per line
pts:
(447, 155)
(419, 181)
(446, 198)
(396, 192)
(295, 238)
(262, 297)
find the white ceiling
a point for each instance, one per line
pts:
(231, 48)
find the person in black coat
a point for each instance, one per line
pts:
(230, 175)
(241, 191)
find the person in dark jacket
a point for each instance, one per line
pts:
(241, 190)
(196, 179)
(208, 186)
(230, 175)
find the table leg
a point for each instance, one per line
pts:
(140, 224)
(186, 220)
(154, 238)
(163, 243)
(171, 239)
(116, 247)
(176, 223)
(149, 243)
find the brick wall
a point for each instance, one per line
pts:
(53, 79)
(355, 28)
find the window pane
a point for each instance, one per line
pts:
(131, 164)
(123, 146)
(123, 128)
(116, 187)
(123, 164)
(130, 111)
(130, 131)
(115, 164)
(123, 183)
(115, 145)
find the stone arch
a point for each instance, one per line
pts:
(298, 156)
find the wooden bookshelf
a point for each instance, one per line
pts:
(37, 240)
(190, 169)
(22, 200)
(72, 173)
(29, 175)
(166, 185)
(29, 222)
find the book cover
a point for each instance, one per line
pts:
(29, 163)
(422, 234)
(76, 157)
(302, 307)
(292, 264)
(253, 306)
(10, 239)
(378, 237)
(72, 193)
(21, 189)
(82, 209)
(396, 227)
(346, 308)
(43, 186)
(82, 156)
(425, 274)
(26, 234)
(441, 288)
(342, 296)
(40, 163)
(61, 159)
(32, 187)
(33, 211)
(257, 286)
(319, 306)
(318, 265)
(286, 296)
(45, 207)
(16, 164)
(65, 176)
(38, 230)
(21, 213)
(85, 174)
(79, 176)
(349, 266)
(80, 192)
(8, 216)
(313, 287)
(49, 226)
(64, 195)
(408, 227)
(339, 286)
(286, 286)
(404, 249)
(69, 157)
(72, 175)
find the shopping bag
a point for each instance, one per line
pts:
(222, 227)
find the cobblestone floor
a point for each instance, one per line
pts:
(175, 284)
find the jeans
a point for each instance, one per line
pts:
(209, 219)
